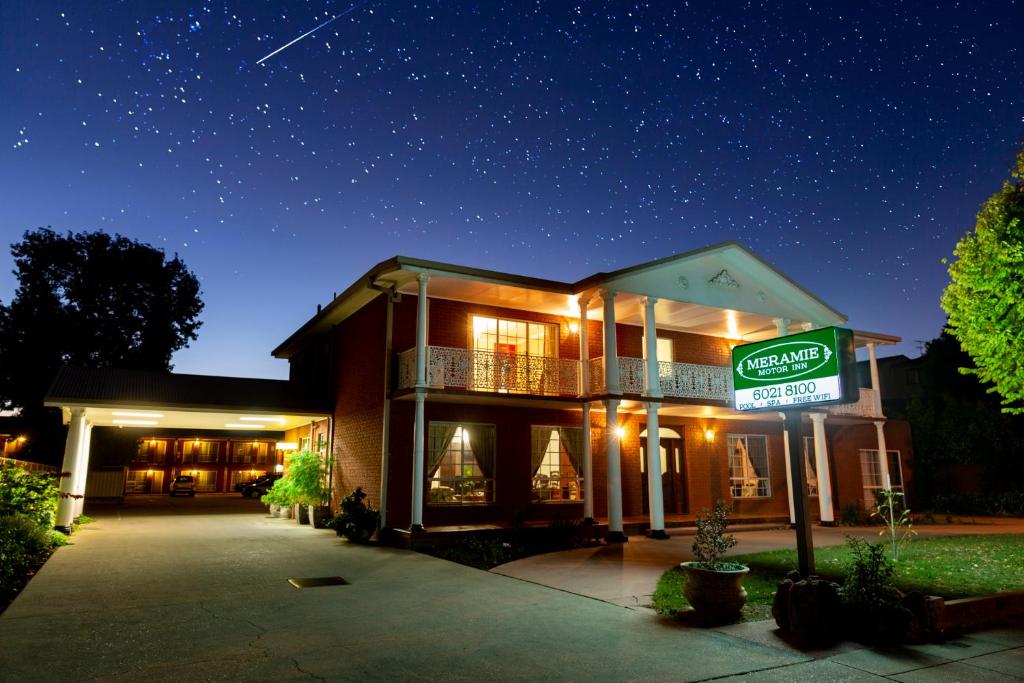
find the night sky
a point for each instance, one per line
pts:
(849, 144)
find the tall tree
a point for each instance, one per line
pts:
(985, 297)
(94, 300)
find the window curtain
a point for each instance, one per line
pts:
(572, 440)
(484, 445)
(541, 437)
(440, 438)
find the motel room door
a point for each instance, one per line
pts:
(673, 475)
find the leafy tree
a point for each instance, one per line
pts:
(93, 300)
(985, 297)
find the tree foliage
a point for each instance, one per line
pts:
(985, 296)
(94, 300)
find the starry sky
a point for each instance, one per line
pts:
(850, 143)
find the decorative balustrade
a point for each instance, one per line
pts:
(864, 407)
(631, 375)
(689, 380)
(455, 368)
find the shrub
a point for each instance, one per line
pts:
(711, 541)
(24, 545)
(1009, 504)
(873, 609)
(308, 476)
(281, 493)
(357, 521)
(34, 494)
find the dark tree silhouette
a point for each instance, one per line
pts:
(93, 300)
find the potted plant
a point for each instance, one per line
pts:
(308, 474)
(714, 588)
(280, 498)
(357, 521)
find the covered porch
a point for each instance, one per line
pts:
(145, 401)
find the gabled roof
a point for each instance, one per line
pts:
(115, 386)
(366, 288)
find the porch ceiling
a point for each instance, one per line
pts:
(148, 417)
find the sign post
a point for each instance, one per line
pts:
(791, 374)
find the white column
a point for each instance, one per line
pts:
(69, 471)
(652, 380)
(421, 332)
(83, 470)
(789, 471)
(614, 466)
(883, 455)
(588, 468)
(611, 355)
(821, 462)
(655, 498)
(781, 326)
(417, 463)
(584, 348)
(873, 365)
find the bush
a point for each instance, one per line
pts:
(308, 476)
(24, 545)
(34, 494)
(282, 493)
(871, 601)
(711, 541)
(1010, 504)
(357, 521)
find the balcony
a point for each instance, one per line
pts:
(864, 407)
(453, 368)
(677, 380)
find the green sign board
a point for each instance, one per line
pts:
(805, 370)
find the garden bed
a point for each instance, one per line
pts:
(950, 567)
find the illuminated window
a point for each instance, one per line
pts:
(748, 466)
(246, 452)
(512, 356)
(461, 462)
(871, 475)
(151, 450)
(557, 461)
(197, 450)
(810, 467)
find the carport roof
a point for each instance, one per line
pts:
(75, 386)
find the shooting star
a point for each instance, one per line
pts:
(311, 32)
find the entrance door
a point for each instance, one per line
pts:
(673, 476)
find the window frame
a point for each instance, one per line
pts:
(812, 460)
(881, 484)
(535, 476)
(767, 478)
(428, 480)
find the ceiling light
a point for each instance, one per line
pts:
(247, 418)
(243, 425)
(133, 413)
(136, 423)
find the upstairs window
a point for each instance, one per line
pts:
(197, 450)
(151, 450)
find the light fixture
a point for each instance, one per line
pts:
(136, 423)
(253, 418)
(279, 468)
(574, 327)
(620, 432)
(22, 439)
(149, 472)
(243, 425)
(709, 435)
(286, 446)
(134, 413)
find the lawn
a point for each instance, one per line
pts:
(953, 567)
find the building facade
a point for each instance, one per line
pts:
(468, 397)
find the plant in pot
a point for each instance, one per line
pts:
(357, 521)
(280, 498)
(309, 475)
(714, 588)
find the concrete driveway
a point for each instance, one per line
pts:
(163, 590)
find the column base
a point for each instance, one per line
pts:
(830, 523)
(66, 530)
(616, 537)
(589, 521)
(415, 528)
(657, 534)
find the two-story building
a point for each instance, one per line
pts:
(463, 397)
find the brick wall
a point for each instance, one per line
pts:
(845, 442)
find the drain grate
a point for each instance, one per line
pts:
(318, 581)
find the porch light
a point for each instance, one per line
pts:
(149, 472)
(620, 432)
(136, 423)
(22, 439)
(279, 468)
(709, 435)
(286, 446)
(574, 327)
(134, 413)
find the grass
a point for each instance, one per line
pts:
(952, 567)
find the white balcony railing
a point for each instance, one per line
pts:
(454, 368)
(864, 407)
(678, 380)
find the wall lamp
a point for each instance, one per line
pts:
(620, 432)
(709, 435)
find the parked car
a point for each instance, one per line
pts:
(259, 486)
(183, 485)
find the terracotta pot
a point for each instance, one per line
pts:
(716, 596)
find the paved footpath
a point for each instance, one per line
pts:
(197, 590)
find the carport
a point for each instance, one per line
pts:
(135, 399)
